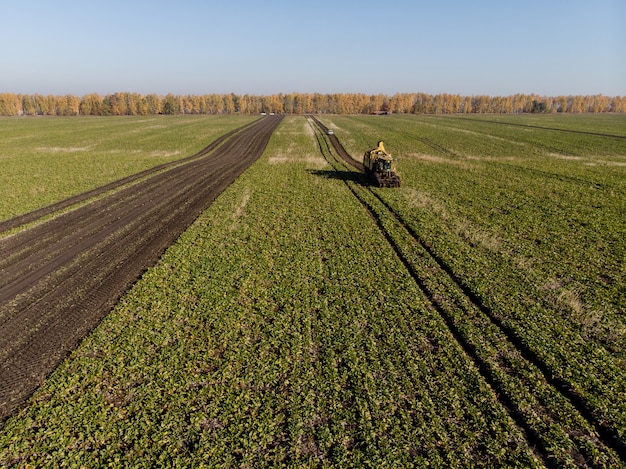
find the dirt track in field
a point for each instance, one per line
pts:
(59, 278)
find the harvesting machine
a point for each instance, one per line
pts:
(380, 168)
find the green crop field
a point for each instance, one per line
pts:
(43, 160)
(511, 199)
(472, 317)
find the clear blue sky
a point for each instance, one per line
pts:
(494, 47)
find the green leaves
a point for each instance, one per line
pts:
(46, 160)
(283, 329)
(508, 221)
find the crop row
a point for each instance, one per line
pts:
(551, 420)
(280, 328)
(554, 226)
(43, 160)
(590, 373)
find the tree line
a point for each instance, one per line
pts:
(124, 104)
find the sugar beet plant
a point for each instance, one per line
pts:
(500, 194)
(530, 218)
(44, 160)
(279, 329)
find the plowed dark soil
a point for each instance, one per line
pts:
(59, 278)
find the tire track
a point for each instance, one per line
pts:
(555, 129)
(121, 235)
(543, 405)
(38, 214)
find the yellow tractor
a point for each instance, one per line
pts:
(380, 168)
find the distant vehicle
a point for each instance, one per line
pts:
(329, 132)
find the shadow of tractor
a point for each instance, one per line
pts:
(352, 176)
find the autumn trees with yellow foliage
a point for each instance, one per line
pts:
(132, 104)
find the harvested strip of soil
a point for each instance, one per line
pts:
(58, 279)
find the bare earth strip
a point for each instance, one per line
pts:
(20, 220)
(58, 279)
